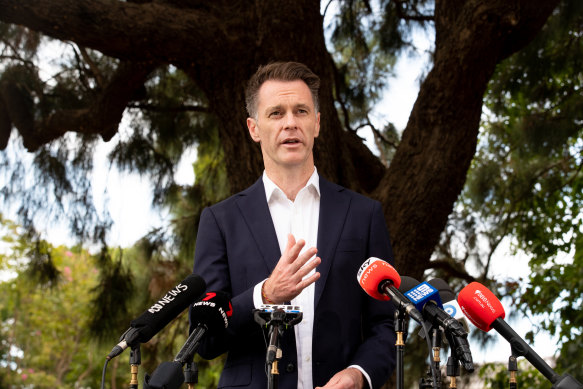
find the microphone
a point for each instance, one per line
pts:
(450, 304)
(212, 314)
(381, 281)
(428, 300)
(291, 314)
(168, 375)
(484, 309)
(149, 323)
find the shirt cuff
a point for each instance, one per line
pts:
(364, 373)
(257, 298)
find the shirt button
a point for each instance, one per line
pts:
(290, 367)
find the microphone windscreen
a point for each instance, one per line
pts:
(167, 375)
(213, 310)
(445, 291)
(168, 307)
(407, 283)
(480, 305)
(374, 271)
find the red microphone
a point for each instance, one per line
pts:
(484, 309)
(374, 271)
(381, 281)
(480, 305)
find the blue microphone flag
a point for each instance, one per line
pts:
(423, 293)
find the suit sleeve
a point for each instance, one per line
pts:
(376, 354)
(211, 262)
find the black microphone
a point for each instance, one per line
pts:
(427, 299)
(168, 375)
(211, 314)
(450, 304)
(149, 323)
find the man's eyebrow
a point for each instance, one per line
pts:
(273, 107)
(279, 107)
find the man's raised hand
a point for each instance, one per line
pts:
(287, 279)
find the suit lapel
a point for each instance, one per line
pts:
(253, 206)
(333, 210)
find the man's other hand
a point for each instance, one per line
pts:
(349, 378)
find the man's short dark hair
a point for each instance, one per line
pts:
(280, 71)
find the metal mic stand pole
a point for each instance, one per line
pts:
(512, 369)
(273, 350)
(190, 373)
(400, 316)
(135, 361)
(436, 342)
(453, 370)
(436, 335)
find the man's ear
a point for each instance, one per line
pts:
(317, 132)
(253, 129)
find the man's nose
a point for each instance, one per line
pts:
(290, 120)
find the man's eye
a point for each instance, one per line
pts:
(302, 111)
(275, 113)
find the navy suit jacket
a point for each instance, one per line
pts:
(237, 247)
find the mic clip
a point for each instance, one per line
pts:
(128, 339)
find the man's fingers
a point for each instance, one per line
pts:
(303, 258)
(308, 280)
(308, 267)
(291, 252)
(291, 241)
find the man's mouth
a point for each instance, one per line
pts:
(291, 141)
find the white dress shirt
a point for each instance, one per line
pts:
(299, 218)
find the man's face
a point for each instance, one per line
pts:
(286, 124)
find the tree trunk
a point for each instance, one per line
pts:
(429, 169)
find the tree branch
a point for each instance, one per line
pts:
(160, 108)
(102, 116)
(451, 269)
(150, 31)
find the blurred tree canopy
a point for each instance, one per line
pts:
(48, 326)
(491, 151)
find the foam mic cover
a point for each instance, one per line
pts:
(213, 310)
(407, 283)
(445, 291)
(372, 273)
(168, 307)
(480, 305)
(168, 375)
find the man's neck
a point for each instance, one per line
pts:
(290, 181)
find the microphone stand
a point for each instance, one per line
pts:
(512, 369)
(400, 316)
(274, 353)
(453, 370)
(135, 361)
(520, 348)
(191, 373)
(436, 335)
(277, 319)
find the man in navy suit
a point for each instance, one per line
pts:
(293, 237)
